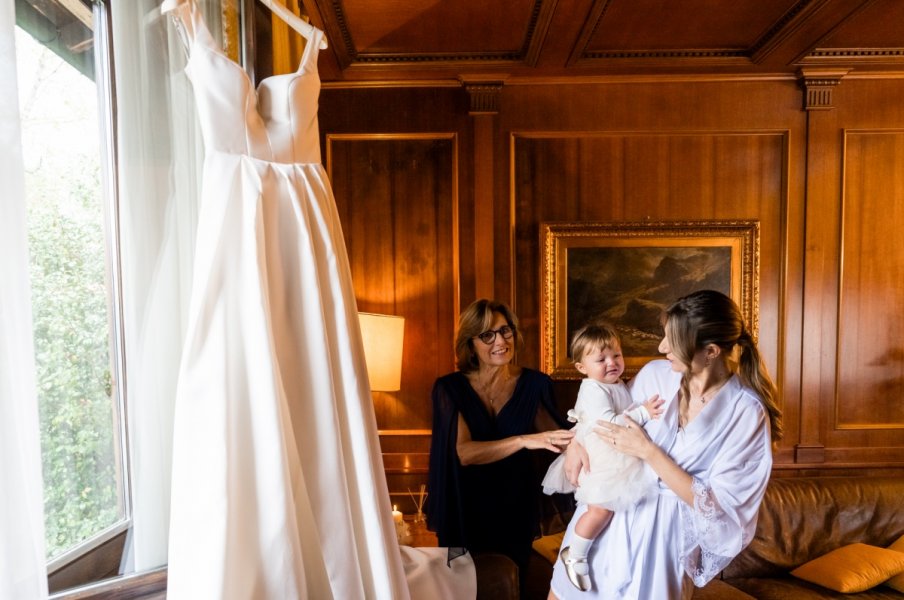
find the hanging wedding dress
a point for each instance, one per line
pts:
(278, 488)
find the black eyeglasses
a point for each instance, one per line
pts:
(489, 336)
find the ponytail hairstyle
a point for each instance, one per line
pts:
(709, 317)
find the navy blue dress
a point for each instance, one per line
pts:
(493, 507)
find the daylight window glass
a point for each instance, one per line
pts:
(70, 280)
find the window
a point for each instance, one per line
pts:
(73, 277)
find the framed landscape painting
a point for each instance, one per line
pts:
(628, 273)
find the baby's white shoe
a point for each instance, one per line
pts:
(577, 569)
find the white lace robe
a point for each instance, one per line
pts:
(663, 547)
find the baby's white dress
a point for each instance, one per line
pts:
(615, 480)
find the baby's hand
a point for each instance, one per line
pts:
(654, 406)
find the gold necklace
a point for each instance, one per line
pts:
(712, 391)
(493, 395)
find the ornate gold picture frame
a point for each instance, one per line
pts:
(628, 273)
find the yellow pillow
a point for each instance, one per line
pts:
(897, 582)
(548, 546)
(852, 568)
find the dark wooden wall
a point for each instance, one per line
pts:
(440, 207)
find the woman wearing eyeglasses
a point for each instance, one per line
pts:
(484, 486)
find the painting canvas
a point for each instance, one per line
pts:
(628, 273)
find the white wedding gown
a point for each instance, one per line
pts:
(278, 487)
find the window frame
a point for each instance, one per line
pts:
(103, 78)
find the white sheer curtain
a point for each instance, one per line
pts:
(23, 570)
(159, 164)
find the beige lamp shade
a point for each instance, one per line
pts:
(382, 336)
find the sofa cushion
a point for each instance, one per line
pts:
(548, 546)
(802, 518)
(897, 582)
(792, 588)
(852, 568)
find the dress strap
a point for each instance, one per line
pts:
(189, 23)
(307, 30)
(311, 50)
(180, 13)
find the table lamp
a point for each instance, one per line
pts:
(382, 336)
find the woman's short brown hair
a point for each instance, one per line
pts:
(474, 320)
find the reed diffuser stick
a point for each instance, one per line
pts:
(421, 498)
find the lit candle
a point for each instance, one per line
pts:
(396, 514)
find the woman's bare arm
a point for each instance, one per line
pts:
(481, 453)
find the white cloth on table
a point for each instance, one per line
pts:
(432, 576)
(662, 547)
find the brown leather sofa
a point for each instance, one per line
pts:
(805, 518)
(800, 519)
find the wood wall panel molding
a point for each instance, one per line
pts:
(541, 39)
(351, 55)
(406, 462)
(402, 432)
(397, 197)
(810, 453)
(869, 365)
(819, 86)
(484, 202)
(821, 264)
(784, 29)
(791, 296)
(720, 149)
(580, 176)
(484, 96)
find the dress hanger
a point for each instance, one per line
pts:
(293, 21)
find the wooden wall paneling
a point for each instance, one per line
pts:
(484, 204)
(396, 195)
(844, 173)
(484, 99)
(789, 295)
(642, 176)
(867, 411)
(646, 177)
(397, 199)
(467, 228)
(405, 117)
(637, 150)
(504, 243)
(406, 455)
(820, 283)
(632, 104)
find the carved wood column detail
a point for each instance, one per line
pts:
(484, 96)
(484, 93)
(819, 85)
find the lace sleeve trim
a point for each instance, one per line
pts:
(702, 526)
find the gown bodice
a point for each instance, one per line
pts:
(278, 120)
